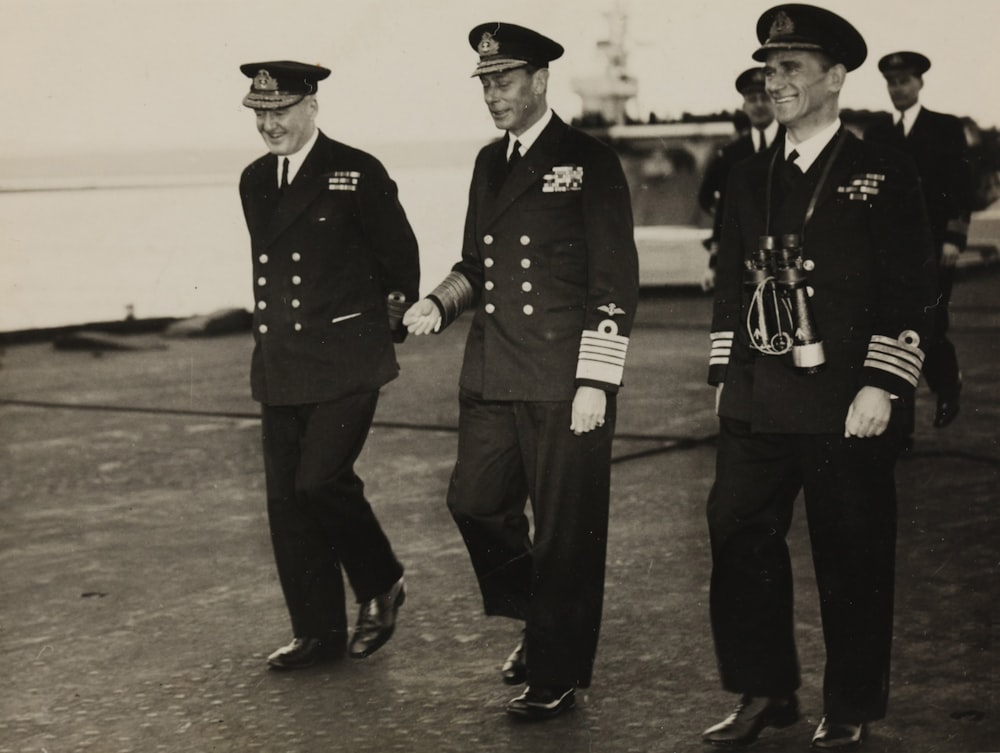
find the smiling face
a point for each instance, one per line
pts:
(805, 88)
(904, 89)
(516, 98)
(758, 107)
(287, 129)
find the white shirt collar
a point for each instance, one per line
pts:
(810, 149)
(530, 136)
(908, 116)
(770, 134)
(295, 160)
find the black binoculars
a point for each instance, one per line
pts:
(780, 317)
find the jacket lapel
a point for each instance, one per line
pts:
(529, 170)
(845, 164)
(300, 192)
(261, 195)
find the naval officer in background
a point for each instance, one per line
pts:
(937, 144)
(819, 404)
(549, 268)
(764, 133)
(334, 265)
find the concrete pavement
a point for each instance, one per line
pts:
(138, 598)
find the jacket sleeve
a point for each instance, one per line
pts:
(612, 273)
(958, 184)
(728, 286)
(392, 242)
(905, 280)
(462, 287)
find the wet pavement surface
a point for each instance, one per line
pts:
(138, 597)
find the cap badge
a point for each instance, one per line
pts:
(264, 81)
(782, 24)
(488, 45)
(896, 60)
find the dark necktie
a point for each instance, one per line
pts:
(793, 168)
(284, 175)
(900, 130)
(515, 156)
(762, 142)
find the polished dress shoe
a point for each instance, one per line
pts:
(838, 734)
(947, 409)
(377, 621)
(305, 652)
(537, 702)
(515, 669)
(751, 715)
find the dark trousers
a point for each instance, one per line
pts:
(850, 504)
(320, 521)
(554, 580)
(941, 361)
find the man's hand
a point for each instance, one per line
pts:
(422, 318)
(868, 415)
(949, 254)
(708, 280)
(589, 405)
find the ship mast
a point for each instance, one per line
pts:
(604, 96)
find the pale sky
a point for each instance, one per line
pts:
(94, 75)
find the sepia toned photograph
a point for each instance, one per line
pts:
(601, 376)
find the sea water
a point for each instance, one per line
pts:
(169, 248)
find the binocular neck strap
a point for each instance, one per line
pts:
(824, 176)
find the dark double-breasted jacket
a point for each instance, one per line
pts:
(549, 263)
(869, 265)
(936, 143)
(712, 192)
(333, 256)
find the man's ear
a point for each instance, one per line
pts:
(540, 81)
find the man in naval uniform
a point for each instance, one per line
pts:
(764, 132)
(334, 263)
(937, 144)
(828, 415)
(549, 268)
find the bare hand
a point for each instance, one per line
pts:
(868, 414)
(589, 405)
(949, 254)
(422, 318)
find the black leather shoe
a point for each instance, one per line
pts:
(947, 409)
(377, 621)
(537, 703)
(305, 652)
(515, 669)
(751, 715)
(838, 734)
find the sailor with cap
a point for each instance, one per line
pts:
(334, 261)
(764, 132)
(937, 144)
(833, 430)
(549, 270)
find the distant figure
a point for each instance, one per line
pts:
(937, 143)
(824, 280)
(762, 132)
(334, 262)
(549, 267)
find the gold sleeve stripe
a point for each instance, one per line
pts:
(602, 357)
(722, 346)
(455, 294)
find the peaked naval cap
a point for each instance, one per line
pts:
(904, 61)
(503, 47)
(794, 26)
(280, 83)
